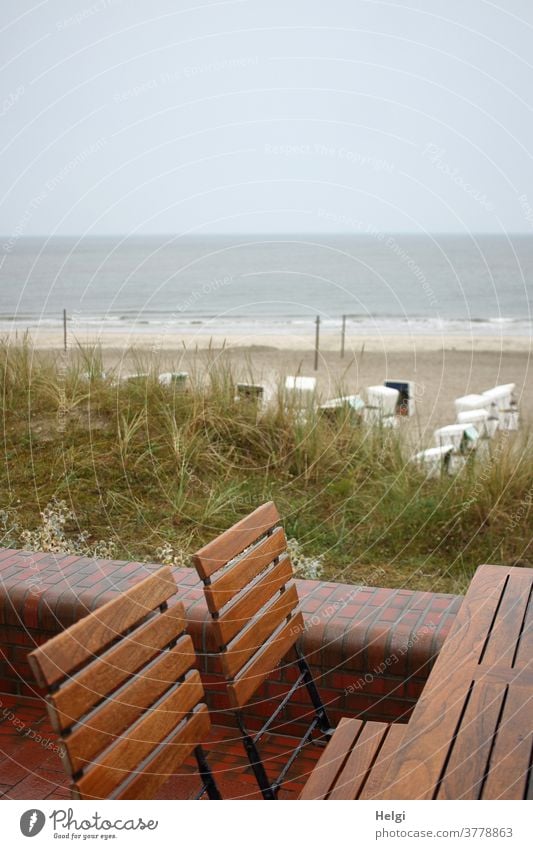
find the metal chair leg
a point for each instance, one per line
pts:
(210, 786)
(265, 785)
(320, 710)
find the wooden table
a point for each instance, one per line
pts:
(470, 735)
(471, 732)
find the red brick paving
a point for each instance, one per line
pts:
(29, 770)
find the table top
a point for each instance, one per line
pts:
(470, 734)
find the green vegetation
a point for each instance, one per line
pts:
(152, 472)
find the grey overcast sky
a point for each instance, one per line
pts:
(124, 116)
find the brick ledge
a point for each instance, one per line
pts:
(370, 649)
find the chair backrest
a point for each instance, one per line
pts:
(383, 398)
(122, 693)
(250, 391)
(300, 391)
(252, 598)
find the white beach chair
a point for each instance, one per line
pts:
(140, 377)
(405, 405)
(253, 392)
(381, 406)
(512, 417)
(463, 436)
(467, 403)
(434, 461)
(503, 405)
(88, 376)
(173, 378)
(300, 392)
(485, 424)
(352, 405)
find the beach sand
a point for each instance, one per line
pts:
(301, 338)
(442, 368)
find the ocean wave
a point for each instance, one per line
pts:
(162, 323)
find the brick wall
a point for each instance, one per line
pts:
(370, 649)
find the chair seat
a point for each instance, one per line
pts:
(355, 760)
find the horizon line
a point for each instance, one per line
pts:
(277, 233)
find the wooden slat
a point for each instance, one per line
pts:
(510, 759)
(189, 735)
(506, 675)
(501, 643)
(253, 674)
(471, 748)
(242, 571)
(375, 782)
(232, 542)
(465, 643)
(525, 643)
(78, 695)
(322, 779)
(414, 773)
(257, 633)
(109, 772)
(64, 653)
(351, 779)
(144, 784)
(119, 712)
(236, 617)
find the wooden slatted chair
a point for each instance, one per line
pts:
(253, 602)
(124, 697)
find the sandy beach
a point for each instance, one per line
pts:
(301, 338)
(443, 368)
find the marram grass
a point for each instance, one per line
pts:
(138, 470)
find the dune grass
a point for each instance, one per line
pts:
(151, 472)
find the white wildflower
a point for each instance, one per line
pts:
(304, 566)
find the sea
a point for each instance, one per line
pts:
(383, 283)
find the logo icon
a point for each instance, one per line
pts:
(32, 822)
